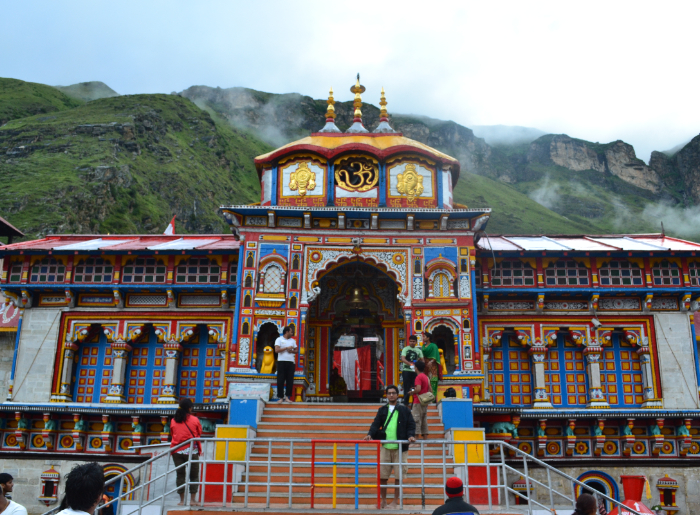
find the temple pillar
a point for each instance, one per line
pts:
(64, 389)
(596, 399)
(223, 391)
(172, 360)
(644, 354)
(538, 354)
(486, 365)
(120, 356)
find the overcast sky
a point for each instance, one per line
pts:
(597, 71)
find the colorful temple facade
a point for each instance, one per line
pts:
(578, 349)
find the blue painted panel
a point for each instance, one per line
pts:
(439, 187)
(695, 345)
(457, 413)
(93, 371)
(449, 253)
(145, 372)
(475, 327)
(243, 412)
(267, 249)
(331, 185)
(621, 375)
(565, 376)
(382, 185)
(200, 369)
(273, 187)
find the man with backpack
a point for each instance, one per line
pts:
(393, 422)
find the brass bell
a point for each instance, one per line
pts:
(357, 299)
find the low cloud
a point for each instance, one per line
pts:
(682, 222)
(547, 194)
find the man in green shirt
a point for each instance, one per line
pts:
(409, 355)
(397, 421)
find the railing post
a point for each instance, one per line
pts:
(422, 477)
(379, 482)
(551, 495)
(527, 485)
(313, 481)
(269, 467)
(488, 475)
(335, 470)
(291, 470)
(505, 475)
(466, 470)
(401, 475)
(188, 468)
(224, 495)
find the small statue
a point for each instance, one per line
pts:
(50, 425)
(208, 426)
(598, 431)
(655, 430)
(682, 430)
(80, 425)
(569, 431)
(109, 427)
(137, 428)
(166, 428)
(540, 432)
(504, 427)
(23, 423)
(627, 431)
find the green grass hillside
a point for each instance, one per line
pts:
(124, 165)
(88, 91)
(19, 99)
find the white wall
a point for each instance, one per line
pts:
(36, 356)
(677, 361)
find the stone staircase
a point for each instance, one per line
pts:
(336, 422)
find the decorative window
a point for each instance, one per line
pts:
(463, 268)
(272, 279)
(15, 274)
(512, 273)
(565, 375)
(145, 373)
(295, 262)
(295, 282)
(666, 274)
(248, 283)
(694, 272)
(293, 303)
(250, 259)
(511, 376)
(233, 273)
(245, 328)
(48, 270)
(566, 273)
(417, 268)
(197, 270)
(246, 300)
(93, 372)
(621, 375)
(200, 371)
(441, 286)
(478, 273)
(466, 324)
(93, 270)
(144, 270)
(620, 273)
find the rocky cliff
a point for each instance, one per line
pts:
(617, 158)
(681, 170)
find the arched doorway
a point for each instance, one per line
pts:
(444, 335)
(267, 334)
(600, 482)
(351, 322)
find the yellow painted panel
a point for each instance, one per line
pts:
(339, 240)
(274, 237)
(441, 392)
(375, 240)
(236, 450)
(442, 240)
(475, 453)
(309, 239)
(409, 240)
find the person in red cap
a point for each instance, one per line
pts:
(454, 488)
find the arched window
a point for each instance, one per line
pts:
(272, 279)
(511, 375)
(466, 324)
(295, 262)
(15, 275)
(621, 374)
(463, 268)
(693, 271)
(248, 283)
(93, 371)
(666, 274)
(245, 329)
(143, 271)
(512, 273)
(419, 326)
(565, 375)
(566, 272)
(93, 270)
(293, 303)
(417, 268)
(48, 270)
(246, 300)
(620, 273)
(441, 285)
(250, 260)
(197, 270)
(295, 283)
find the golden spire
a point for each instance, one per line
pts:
(330, 112)
(383, 116)
(357, 104)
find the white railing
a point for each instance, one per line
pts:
(223, 479)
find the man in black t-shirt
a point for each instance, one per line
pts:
(454, 488)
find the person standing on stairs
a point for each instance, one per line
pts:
(286, 348)
(393, 422)
(420, 411)
(409, 355)
(183, 427)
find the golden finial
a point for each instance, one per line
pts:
(358, 89)
(330, 112)
(383, 116)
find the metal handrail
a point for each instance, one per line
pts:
(212, 444)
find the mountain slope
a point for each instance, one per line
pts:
(125, 164)
(87, 91)
(19, 99)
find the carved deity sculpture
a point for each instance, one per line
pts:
(410, 183)
(302, 179)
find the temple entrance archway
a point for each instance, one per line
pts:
(266, 336)
(445, 335)
(353, 326)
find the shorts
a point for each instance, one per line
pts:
(420, 416)
(392, 456)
